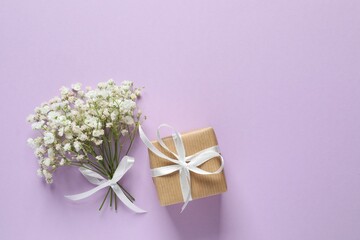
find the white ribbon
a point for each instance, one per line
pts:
(125, 164)
(182, 163)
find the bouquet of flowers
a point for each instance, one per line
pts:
(90, 129)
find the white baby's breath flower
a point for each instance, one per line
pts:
(48, 138)
(76, 129)
(61, 132)
(76, 86)
(62, 162)
(53, 115)
(51, 153)
(47, 162)
(39, 172)
(71, 99)
(31, 118)
(55, 100)
(47, 175)
(78, 120)
(39, 152)
(101, 85)
(68, 135)
(113, 116)
(79, 103)
(45, 109)
(83, 137)
(92, 122)
(67, 147)
(91, 94)
(31, 143)
(137, 92)
(37, 125)
(128, 120)
(127, 84)
(77, 146)
(98, 133)
(127, 105)
(64, 91)
(106, 112)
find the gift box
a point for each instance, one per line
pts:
(168, 186)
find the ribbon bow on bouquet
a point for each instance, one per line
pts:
(125, 164)
(182, 163)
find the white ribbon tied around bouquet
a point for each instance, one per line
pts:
(125, 164)
(182, 163)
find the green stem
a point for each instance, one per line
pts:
(115, 198)
(128, 195)
(116, 157)
(111, 197)
(115, 203)
(110, 157)
(131, 140)
(102, 204)
(101, 169)
(105, 160)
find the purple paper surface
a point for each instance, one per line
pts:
(278, 80)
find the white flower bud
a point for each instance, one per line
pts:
(77, 146)
(76, 87)
(48, 138)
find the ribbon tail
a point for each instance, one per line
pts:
(186, 203)
(83, 195)
(125, 200)
(185, 187)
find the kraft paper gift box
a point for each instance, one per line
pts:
(168, 186)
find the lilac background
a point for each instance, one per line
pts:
(278, 80)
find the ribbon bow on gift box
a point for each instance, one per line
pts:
(182, 163)
(125, 164)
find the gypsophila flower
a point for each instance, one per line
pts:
(62, 162)
(67, 147)
(77, 146)
(127, 105)
(98, 133)
(128, 120)
(30, 118)
(31, 143)
(48, 138)
(76, 87)
(84, 127)
(83, 137)
(47, 162)
(37, 125)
